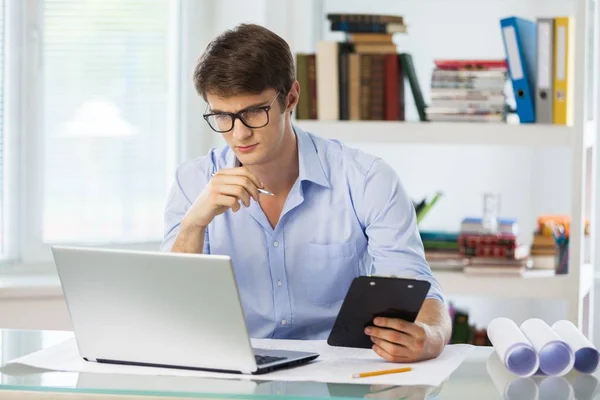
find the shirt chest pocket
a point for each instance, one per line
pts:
(328, 271)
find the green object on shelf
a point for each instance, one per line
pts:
(423, 208)
(409, 71)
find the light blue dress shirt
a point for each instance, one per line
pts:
(347, 215)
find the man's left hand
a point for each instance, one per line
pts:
(400, 341)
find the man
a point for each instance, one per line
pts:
(335, 213)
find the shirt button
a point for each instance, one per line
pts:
(279, 283)
(276, 244)
(283, 322)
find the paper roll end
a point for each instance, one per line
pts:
(522, 361)
(556, 358)
(587, 360)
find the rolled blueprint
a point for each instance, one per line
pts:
(510, 386)
(555, 356)
(513, 348)
(587, 357)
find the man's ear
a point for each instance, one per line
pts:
(293, 97)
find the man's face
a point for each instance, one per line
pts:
(252, 146)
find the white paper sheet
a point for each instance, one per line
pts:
(334, 365)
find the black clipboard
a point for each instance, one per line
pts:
(370, 297)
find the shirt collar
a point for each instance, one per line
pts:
(310, 167)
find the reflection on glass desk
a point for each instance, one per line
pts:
(481, 376)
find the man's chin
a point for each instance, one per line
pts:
(250, 159)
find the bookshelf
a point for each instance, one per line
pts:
(555, 287)
(579, 140)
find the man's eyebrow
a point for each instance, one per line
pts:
(259, 104)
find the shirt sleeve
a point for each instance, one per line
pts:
(177, 204)
(390, 224)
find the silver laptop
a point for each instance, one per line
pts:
(161, 309)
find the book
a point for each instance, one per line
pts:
(474, 64)
(366, 23)
(409, 70)
(379, 38)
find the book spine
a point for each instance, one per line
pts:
(312, 79)
(377, 102)
(392, 95)
(354, 86)
(409, 70)
(303, 111)
(365, 86)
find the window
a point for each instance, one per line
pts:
(109, 131)
(2, 158)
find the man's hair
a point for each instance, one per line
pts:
(245, 60)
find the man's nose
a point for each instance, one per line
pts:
(241, 131)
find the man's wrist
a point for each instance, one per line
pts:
(435, 337)
(188, 226)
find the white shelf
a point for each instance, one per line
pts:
(460, 133)
(550, 287)
(588, 279)
(589, 136)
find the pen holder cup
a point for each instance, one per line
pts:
(562, 258)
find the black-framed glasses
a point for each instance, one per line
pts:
(255, 117)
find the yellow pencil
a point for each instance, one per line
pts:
(383, 372)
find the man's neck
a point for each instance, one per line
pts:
(279, 174)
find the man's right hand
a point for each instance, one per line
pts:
(224, 191)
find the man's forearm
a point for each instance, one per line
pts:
(190, 239)
(434, 314)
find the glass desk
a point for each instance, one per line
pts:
(470, 381)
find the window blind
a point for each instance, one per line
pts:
(106, 125)
(2, 97)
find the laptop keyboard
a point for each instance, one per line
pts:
(260, 360)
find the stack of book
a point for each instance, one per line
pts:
(361, 78)
(498, 252)
(490, 246)
(468, 91)
(441, 250)
(543, 250)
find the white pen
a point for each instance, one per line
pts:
(263, 191)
